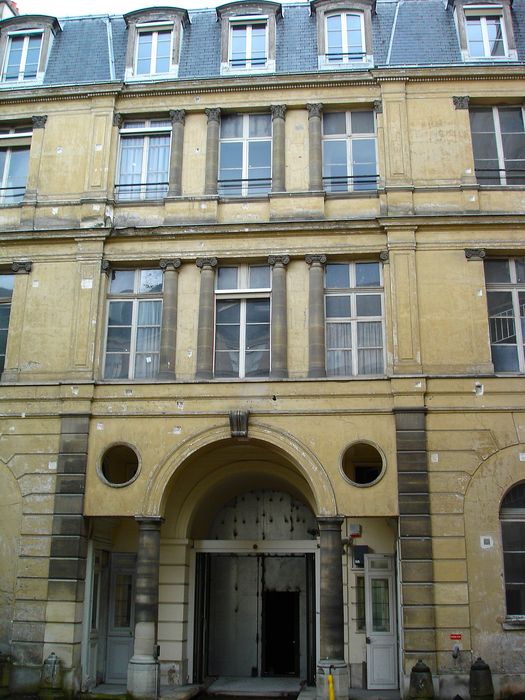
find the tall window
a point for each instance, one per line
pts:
(14, 161)
(134, 320)
(512, 517)
(22, 56)
(505, 280)
(486, 36)
(498, 140)
(6, 293)
(154, 51)
(245, 159)
(349, 151)
(242, 321)
(248, 45)
(144, 159)
(354, 319)
(345, 38)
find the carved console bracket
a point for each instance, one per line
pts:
(21, 267)
(475, 253)
(239, 423)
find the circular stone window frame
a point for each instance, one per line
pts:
(100, 473)
(383, 464)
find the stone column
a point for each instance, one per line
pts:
(168, 332)
(316, 319)
(177, 140)
(206, 315)
(143, 668)
(278, 148)
(279, 345)
(35, 156)
(314, 146)
(212, 150)
(331, 648)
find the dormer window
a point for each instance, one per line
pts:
(485, 30)
(24, 46)
(248, 37)
(154, 41)
(344, 33)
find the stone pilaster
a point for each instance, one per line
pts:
(316, 319)
(279, 347)
(143, 668)
(278, 148)
(177, 140)
(212, 150)
(206, 315)
(168, 333)
(314, 146)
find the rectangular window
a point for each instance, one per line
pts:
(245, 157)
(248, 45)
(14, 161)
(345, 38)
(144, 159)
(22, 57)
(505, 280)
(242, 321)
(154, 48)
(349, 151)
(6, 293)
(354, 319)
(134, 322)
(498, 142)
(486, 36)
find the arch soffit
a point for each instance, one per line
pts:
(306, 463)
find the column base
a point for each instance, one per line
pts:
(143, 678)
(340, 676)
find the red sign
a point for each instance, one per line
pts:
(455, 636)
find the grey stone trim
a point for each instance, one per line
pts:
(315, 147)
(177, 141)
(239, 423)
(39, 121)
(378, 106)
(213, 114)
(21, 267)
(461, 102)
(279, 334)
(117, 119)
(177, 116)
(475, 253)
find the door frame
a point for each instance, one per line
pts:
(249, 547)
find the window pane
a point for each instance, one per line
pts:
(227, 337)
(495, 36)
(362, 122)
(513, 535)
(258, 311)
(144, 52)
(227, 364)
(520, 269)
(6, 286)
(505, 358)
(335, 168)
(227, 278)
(368, 304)
(117, 366)
(17, 175)
(231, 126)
(123, 588)
(339, 335)
(228, 312)
(334, 37)
(497, 271)
(475, 37)
(32, 57)
(15, 58)
(334, 123)
(148, 339)
(163, 52)
(149, 313)
(259, 277)
(257, 363)
(501, 317)
(367, 275)
(380, 605)
(119, 339)
(120, 313)
(258, 44)
(339, 363)
(238, 46)
(151, 281)
(337, 276)
(260, 125)
(338, 306)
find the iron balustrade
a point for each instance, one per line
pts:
(12, 195)
(141, 190)
(244, 186)
(345, 183)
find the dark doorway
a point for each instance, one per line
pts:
(280, 633)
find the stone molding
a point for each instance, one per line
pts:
(21, 267)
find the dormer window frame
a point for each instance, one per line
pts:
(26, 28)
(154, 21)
(248, 14)
(463, 11)
(345, 59)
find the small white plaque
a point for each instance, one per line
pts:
(486, 542)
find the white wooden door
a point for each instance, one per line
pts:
(380, 614)
(120, 622)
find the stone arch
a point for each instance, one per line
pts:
(304, 468)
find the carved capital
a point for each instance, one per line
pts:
(475, 253)
(117, 119)
(384, 255)
(315, 259)
(178, 116)
(21, 267)
(173, 264)
(278, 111)
(461, 102)
(378, 106)
(105, 267)
(314, 110)
(213, 114)
(206, 262)
(239, 423)
(39, 121)
(282, 260)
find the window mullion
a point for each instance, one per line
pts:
(344, 37)
(23, 58)
(499, 146)
(153, 55)
(242, 339)
(144, 166)
(484, 35)
(245, 152)
(133, 339)
(248, 46)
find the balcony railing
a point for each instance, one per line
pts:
(241, 187)
(500, 176)
(340, 57)
(12, 195)
(352, 183)
(141, 190)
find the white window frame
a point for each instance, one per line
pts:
(146, 129)
(503, 172)
(248, 23)
(345, 57)
(514, 288)
(349, 139)
(135, 298)
(26, 35)
(512, 515)
(154, 28)
(483, 14)
(243, 293)
(245, 185)
(17, 137)
(6, 302)
(353, 291)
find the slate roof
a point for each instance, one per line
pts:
(405, 33)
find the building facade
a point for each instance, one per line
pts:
(262, 343)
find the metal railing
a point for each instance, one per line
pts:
(141, 190)
(12, 195)
(244, 186)
(501, 176)
(352, 183)
(345, 57)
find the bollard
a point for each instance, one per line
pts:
(480, 682)
(51, 678)
(421, 681)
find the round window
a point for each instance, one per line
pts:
(119, 465)
(362, 464)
